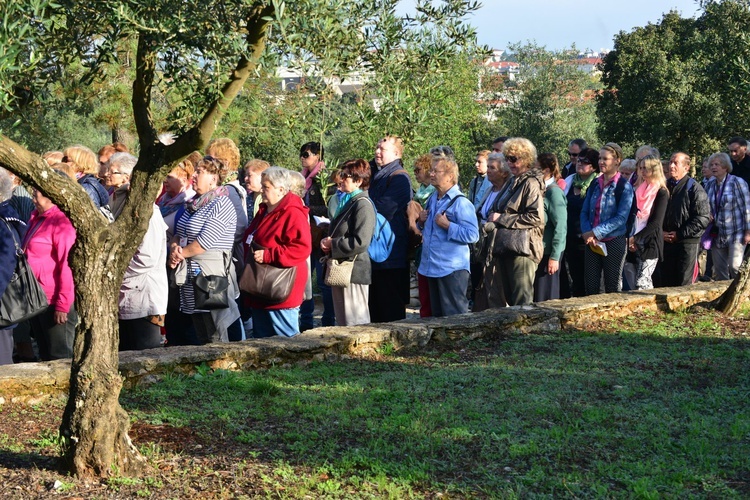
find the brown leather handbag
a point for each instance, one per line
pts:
(268, 283)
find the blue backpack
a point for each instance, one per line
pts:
(383, 238)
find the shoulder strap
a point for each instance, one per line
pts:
(455, 198)
(619, 188)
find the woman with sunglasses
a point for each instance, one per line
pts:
(647, 244)
(576, 187)
(202, 243)
(523, 212)
(349, 237)
(311, 160)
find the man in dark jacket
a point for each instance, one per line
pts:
(737, 148)
(390, 190)
(688, 214)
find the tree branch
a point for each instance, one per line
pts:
(68, 195)
(197, 137)
(145, 68)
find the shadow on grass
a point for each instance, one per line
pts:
(19, 461)
(560, 414)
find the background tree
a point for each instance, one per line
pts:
(198, 56)
(550, 101)
(680, 83)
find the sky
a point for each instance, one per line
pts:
(557, 24)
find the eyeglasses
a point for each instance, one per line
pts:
(584, 161)
(511, 159)
(306, 155)
(436, 172)
(115, 173)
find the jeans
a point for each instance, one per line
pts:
(270, 322)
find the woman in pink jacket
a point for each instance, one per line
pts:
(48, 241)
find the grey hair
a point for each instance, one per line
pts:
(297, 183)
(125, 162)
(6, 185)
(499, 160)
(723, 160)
(278, 177)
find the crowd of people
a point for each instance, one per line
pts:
(527, 230)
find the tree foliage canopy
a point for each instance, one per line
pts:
(681, 83)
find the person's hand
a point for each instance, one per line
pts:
(589, 238)
(258, 256)
(423, 216)
(746, 239)
(552, 266)
(60, 317)
(442, 221)
(670, 236)
(493, 217)
(176, 256)
(325, 244)
(631, 244)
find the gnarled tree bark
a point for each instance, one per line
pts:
(95, 426)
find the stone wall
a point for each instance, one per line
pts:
(33, 382)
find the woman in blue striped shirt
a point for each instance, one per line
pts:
(203, 242)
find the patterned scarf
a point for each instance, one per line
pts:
(201, 201)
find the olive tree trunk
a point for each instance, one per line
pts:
(733, 297)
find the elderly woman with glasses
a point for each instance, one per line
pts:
(279, 235)
(349, 237)
(203, 244)
(118, 179)
(521, 222)
(449, 226)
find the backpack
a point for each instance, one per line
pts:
(619, 188)
(383, 238)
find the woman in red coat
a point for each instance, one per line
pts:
(279, 235)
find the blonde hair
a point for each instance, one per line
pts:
(451, 167)
(397, 142)
(655, 172)
(521, 148)
(226, 150)
(83, 159)
(256, 166)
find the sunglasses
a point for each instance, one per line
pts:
(345, 175)
(306, 155)
(572, 155)
(214, 160)
(584, 161)
(511, 159)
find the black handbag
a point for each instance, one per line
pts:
(211, 291)
(24, 297)
(511, 242)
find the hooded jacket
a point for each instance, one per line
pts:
(285, 236)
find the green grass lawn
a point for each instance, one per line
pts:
(657, 407)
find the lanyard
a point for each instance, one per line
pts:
(720, 194)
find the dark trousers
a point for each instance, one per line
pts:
(546, 286)
(139, 334)
(178, 325)
(679, 264)
(572, 266)
(448, 294)
(54, 341)
(517, 277)
(389, 294)
(611, 265)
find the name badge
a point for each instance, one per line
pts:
(183, 241)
